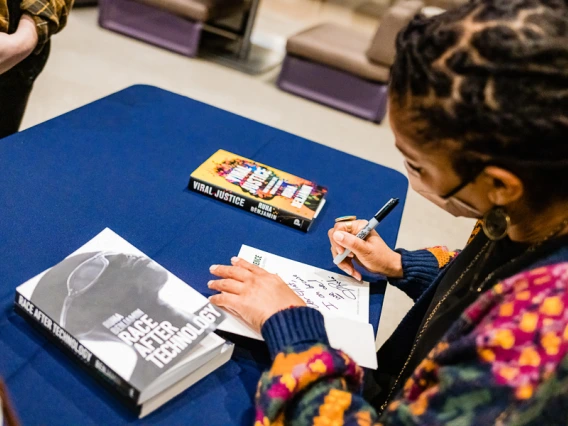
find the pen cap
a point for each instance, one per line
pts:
(387, 208)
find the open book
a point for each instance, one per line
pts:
(343, 301)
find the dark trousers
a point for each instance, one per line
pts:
(16, 84)
(15, 88)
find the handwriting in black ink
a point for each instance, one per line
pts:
(329, 305)
(310, 303)
(336, 296)
(297, 278)
(339, 286)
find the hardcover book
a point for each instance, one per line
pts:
(131, 322)
(259, 189)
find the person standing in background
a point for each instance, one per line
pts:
(25, 29)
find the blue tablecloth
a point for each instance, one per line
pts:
(123, 162)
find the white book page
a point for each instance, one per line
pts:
(343, 301)
(328, 292)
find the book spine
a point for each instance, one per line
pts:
(73, 347)
(250, 204)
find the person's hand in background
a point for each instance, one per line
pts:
(250, 292)
(372, 253)
(14, 48)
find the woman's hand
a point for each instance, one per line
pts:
(251, 292)
(372, 253)
(14, 48)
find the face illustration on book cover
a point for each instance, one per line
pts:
(111, 303)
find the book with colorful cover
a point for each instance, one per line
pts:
(259, 189)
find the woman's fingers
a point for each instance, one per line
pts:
(350, 227)
(357, 275)
(232, 272)
(241, 263)
(347, 266)
(351, 242)
(226, 285)
(229, 301)
(254, 299)
(338, 249)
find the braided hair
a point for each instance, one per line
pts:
(491, 77)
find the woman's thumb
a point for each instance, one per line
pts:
(349, 241)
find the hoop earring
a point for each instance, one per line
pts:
(496, 223)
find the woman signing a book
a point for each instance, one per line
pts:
(479, 107)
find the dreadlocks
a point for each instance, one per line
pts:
(491, 77)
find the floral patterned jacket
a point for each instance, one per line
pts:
(504, 362)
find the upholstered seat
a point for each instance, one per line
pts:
(173, 24)
(199, 10)
(382, 48)
(343, 68)
(338, 47)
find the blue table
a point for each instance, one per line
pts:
(123, 162)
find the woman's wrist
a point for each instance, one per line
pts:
(395, 269)
(300, 303)
(294, 328)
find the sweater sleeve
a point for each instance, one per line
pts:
(504, 360)
(309, 383)
(420, 268)
(50, 16)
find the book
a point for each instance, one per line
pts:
(259, 189)
(343, 301)
(129, 321)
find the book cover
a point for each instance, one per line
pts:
(259, 189)
(122, 314)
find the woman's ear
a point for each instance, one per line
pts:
(504, 187)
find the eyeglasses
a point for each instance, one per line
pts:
(85, 275)
(82, 278)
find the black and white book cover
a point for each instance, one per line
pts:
(123, 314)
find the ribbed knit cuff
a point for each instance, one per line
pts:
(296, 328)
(420, 269)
